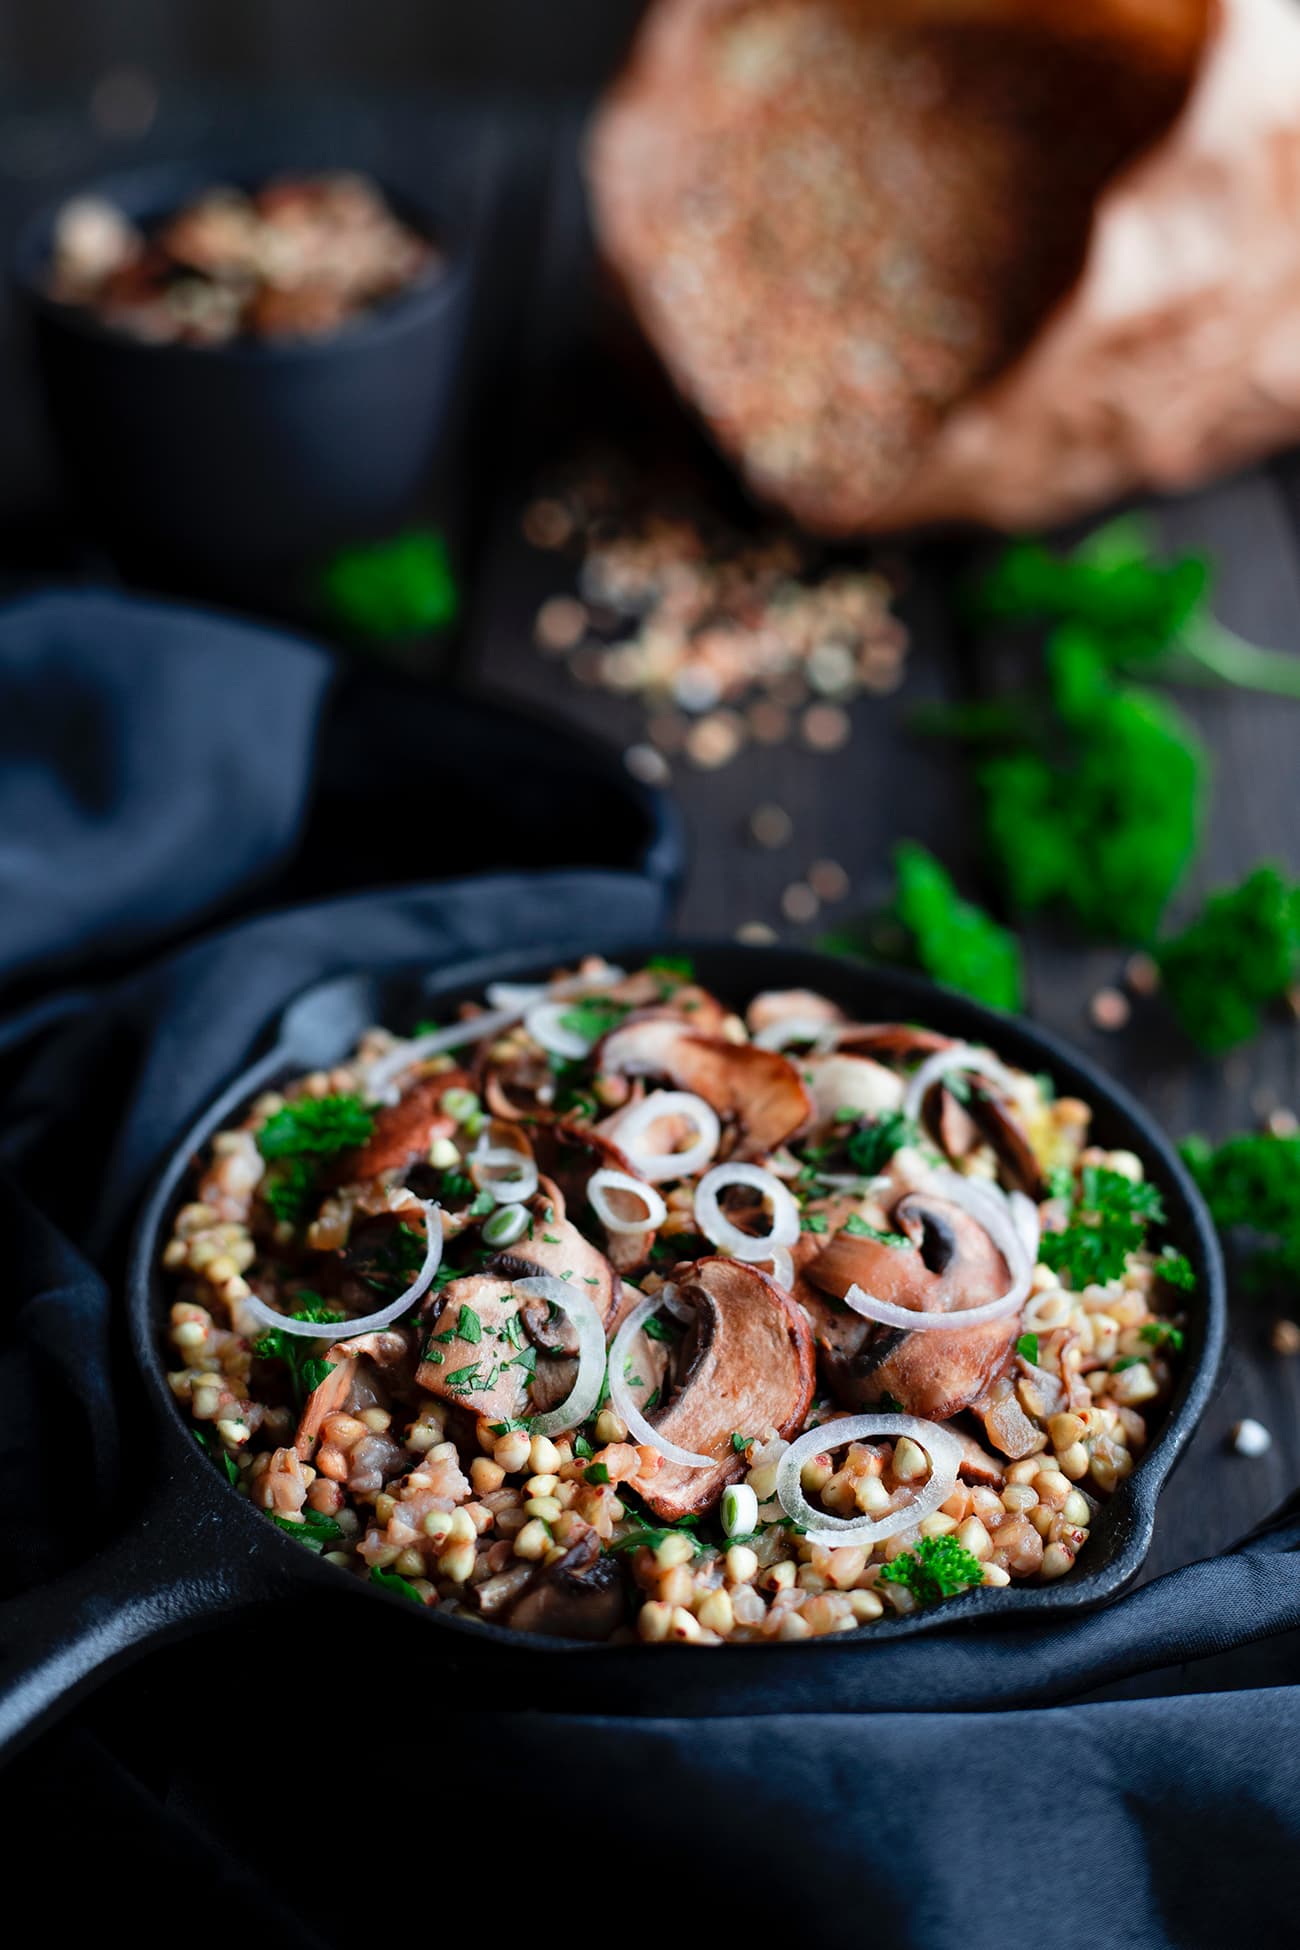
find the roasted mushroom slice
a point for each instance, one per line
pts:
(950, 1264)
(554, 1246)
(363, 1373)
(745, 1364)
(402, 1132)
(580, 1596)
(757, 1089)
(1006, 1425)
(570, 1156)
(476, 1354)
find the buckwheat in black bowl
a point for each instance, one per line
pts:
(244, 369)
(616, 1310)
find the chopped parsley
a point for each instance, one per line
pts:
(314, 1532)
(1162, 1333)
(1027, 1348)
(1251, 1184)
(1107, 1220)
(469, 1327)
(1238, 956)
(596, 1473)
(399, 1586)
(297, 1351)
(656, 1328)
(872, 1145)
(315, 1127)
(938, 1567)
(219, 1455)
(859, 1228)
(740, 1442)
(593, 1018)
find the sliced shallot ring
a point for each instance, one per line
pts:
(1026, 1219)
(781, 1261)
(473, 1029)
(962, 1057)
(789, 1029)
(660, 1165)
(638, 1428)
(544, 1023)
(718, 1228)
(607, 1180)
(346, 1330)
(506, 1191)
(989, 1209)
(939, 1444)
(581, 1400)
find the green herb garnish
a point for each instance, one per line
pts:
(1108, 1220)
(399, 1586)
(938, 1567)
(1240, 954)
(1027, 1348)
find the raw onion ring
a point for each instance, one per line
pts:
(719, 1229)
(660, 1165)
(989, 1208)
(607, 1180)
(819, 1526)
(506, 1191)
(790, 1029)
(543, 1021)
(346, 1330)
(473, 1029)
(581, 1400)
(961, 1057)
(638, 1427)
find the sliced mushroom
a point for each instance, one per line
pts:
(479, 1370)
(1006, 1425)
(557, 1248)
(950, 1264)
(402, 1131)
(365, 1372)
(745, 1364)
(977, 1465)
(758, 1089)
(775, 1006)
(580, 1596)
(570, 1155)
(900, 1042)
(855, 1083)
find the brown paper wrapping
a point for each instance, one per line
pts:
(989, 260)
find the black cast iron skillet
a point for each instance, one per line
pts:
(201, 1553)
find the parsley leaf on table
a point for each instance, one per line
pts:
(930, 927)
(1251, 1184)
(1240, 953)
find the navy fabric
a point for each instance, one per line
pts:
(960, 1789)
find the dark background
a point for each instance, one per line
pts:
(539, 46)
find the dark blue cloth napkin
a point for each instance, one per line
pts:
(963, 1789)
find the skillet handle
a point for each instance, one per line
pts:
(160, 1578)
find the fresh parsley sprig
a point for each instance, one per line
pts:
(938, 1567)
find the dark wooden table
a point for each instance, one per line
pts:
(549, 387)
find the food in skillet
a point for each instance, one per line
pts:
(605, 1313)
(298, 258)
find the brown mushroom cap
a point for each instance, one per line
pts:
(569, 1155)
(402, 1131)
(950, 1265)
(492, 1383)
(558, 1249)
(745, 1366)
(758, 1089)
(581, 1596)
(364, 1372)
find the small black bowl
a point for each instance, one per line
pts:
(208, 465)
